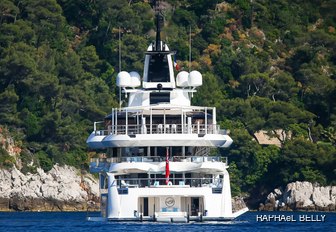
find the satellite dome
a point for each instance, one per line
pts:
(123, 79)
(195, 78)
(182, 79)
(135, 79)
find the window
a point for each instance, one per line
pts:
(158, 69)
(155, 98)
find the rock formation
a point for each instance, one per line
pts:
(301, 196)
(61, 189)
(238, 204)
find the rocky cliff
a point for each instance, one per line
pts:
(301, 196)
(61, 189)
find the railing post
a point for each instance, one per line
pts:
(143, 126)
(151, 121)
(214, 122)
(116, 122)
(182, 121)
(164, 120)
(206, 120)
(189, 126)
(112, 121)
(126, 124)
(137, 123)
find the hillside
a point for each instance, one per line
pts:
(267, 66)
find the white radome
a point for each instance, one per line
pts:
(182, 79)
(135, 79)
(123, 79)
(195, 79)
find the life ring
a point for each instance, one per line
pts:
(170, 183)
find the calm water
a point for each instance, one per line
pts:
(251, 221)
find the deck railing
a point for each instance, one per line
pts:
(201, 129)
(160, 119)
(195, 159)
(98, 165)
(173, 182)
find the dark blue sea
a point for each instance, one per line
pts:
(251, 221)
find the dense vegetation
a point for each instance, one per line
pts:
(267, 65)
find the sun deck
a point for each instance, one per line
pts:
(159, 119)
(159, 125)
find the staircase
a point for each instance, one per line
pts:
(202, 151)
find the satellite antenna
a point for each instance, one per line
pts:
(119, 66)
(189, 48)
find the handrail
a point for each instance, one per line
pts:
(134, 120)
(161, 182)
(133, 129)
(140, 159)
(202, 151)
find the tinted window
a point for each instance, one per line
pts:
(158, 70)
(156, 98)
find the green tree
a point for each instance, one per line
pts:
(8, 109)
(211, 92)
(44, 161)
(17, 62)
(48, 22)
(299, 162)
(8, 11)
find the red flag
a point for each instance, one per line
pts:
(177, 67)
(167, 166)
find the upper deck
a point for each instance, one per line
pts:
(159, 125)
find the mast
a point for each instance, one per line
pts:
(159, 21)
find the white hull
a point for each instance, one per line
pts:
(213, 140)
(99, 142)
(170, 203)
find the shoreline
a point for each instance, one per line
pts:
(96, 209)
(46, 205)
(49, 211)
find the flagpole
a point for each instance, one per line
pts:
(167, 166)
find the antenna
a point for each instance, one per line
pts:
(119, 51)
(159, 22)
(189, 48)
(119, 66)
(251, 13)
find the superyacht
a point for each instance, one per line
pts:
(159, 165)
